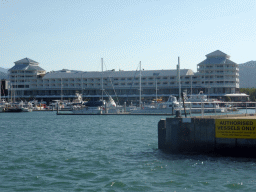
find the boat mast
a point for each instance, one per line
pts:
(156, 89)
(191, 85)
(82, 85)
(61, 90)
(156, 75)
(102, 79)
(178, 69)
(15, 88)
(140, 84)
(10, 86)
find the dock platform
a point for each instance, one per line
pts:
(127, 113)
(225, 134)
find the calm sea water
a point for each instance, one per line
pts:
(41, 151)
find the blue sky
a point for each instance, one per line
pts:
(76, 34)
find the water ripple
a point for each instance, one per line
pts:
(41, 151)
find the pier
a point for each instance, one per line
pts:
(223, 134)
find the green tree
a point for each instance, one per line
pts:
(249, 91)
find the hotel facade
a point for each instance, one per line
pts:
(216, 76)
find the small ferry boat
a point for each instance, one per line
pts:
(199, 102)
(167, 107)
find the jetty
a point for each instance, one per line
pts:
(221, 134)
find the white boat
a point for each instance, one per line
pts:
(230, 107)
(26, 106)
(99, 107)
(200, 103)
(25, 109)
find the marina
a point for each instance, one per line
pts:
(169, 111)
(127, 96)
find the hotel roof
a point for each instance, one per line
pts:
(26, 61)
(119, 74)
(217, 53)
(217, 57)
(217, 61)
(26, 64)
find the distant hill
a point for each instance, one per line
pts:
(3, 75)
(247, 72)
(3, 70)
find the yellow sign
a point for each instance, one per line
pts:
(235, 128)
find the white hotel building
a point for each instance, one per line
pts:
(215, 76)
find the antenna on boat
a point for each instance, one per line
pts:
(140, 84)
(102, 79)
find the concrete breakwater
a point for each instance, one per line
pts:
(226, 134)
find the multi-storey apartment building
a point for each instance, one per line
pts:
(23, 76)
(216, 75)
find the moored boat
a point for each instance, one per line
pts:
(200, 103)
(13, 109)
(167, 107)
(90, 107)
